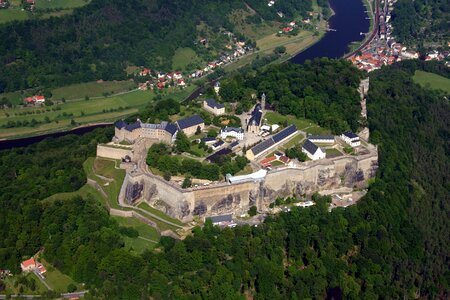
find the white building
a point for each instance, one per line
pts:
(237, 133)
(351, 138)
(324, 139)
(312, 150)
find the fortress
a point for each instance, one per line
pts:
(238, 196)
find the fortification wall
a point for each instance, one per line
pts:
(112, 152)
(310, 177)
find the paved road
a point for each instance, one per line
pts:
(42, 279)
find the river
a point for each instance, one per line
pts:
(348, 21)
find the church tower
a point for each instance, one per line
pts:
(263, 102)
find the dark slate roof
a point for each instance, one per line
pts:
(310, 147)
(321, 137)
(284, 133)
(256, 115)
(218, 144)
(213, 104)
(190, 121)
(262, 146)
(350, 135)
(230, 129)
(171, 128)
(133, 126)
(120, 124)
(208, 139)
(222, 218)
(234, 144)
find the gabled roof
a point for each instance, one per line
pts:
(190, 121)
(310, 147)
(350, 135)
(234, 144)
(133, 126)
(222, 218)
(28, 263)
(284, 133)
(321, 137)
(208, 139)
(171, 128)
(262, 146)
(256, 115)
(120, 124)
(213, 104)
(231, 129)
(218, 144)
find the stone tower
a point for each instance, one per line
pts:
(263, 102)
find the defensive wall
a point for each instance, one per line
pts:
(304, 179)
(114, 152)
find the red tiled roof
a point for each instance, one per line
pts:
(40, 97)
(267, 160)
(29, 263)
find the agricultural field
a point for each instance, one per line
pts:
(60, 4)
(60, 116)
(431, 80)
(12, 14)
(184, 57)
(92, 89)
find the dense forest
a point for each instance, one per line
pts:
(99, 40)
(422, 23)
(393, 244)
(322, 90)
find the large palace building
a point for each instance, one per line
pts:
(164, 132)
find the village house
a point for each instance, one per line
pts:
(237, 133)
(312, 150)
(35, 100)
(213, 107)
(190, 125)
(351, 138)
(145, 72)
(28, 265)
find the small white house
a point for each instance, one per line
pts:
(351, 138)
(313, 151)
(235, 132)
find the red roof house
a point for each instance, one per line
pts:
(28, 265)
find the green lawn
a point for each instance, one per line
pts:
(82, 111)
(183, 57)
(148, 236)
(332, 152)
(294, 141)
(432, 81)
(60, 4)
(302, 124)
(277, 163)
(12, 14)
(57, 280)
(91, 89)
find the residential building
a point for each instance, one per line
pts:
(28, 265)
(312, 150)
(351, 138)
(213, 107)
(190, 124)
(237, 133)
(217, 145)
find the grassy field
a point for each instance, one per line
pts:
(183, 57)
(332, 152)
(57, 280)
(91, 89)
(294, 141)
(148, 236)
(431, 80)
(302, 124)
(81, 111)
(61, 4)
(12, 14)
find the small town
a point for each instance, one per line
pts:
(383, 50)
